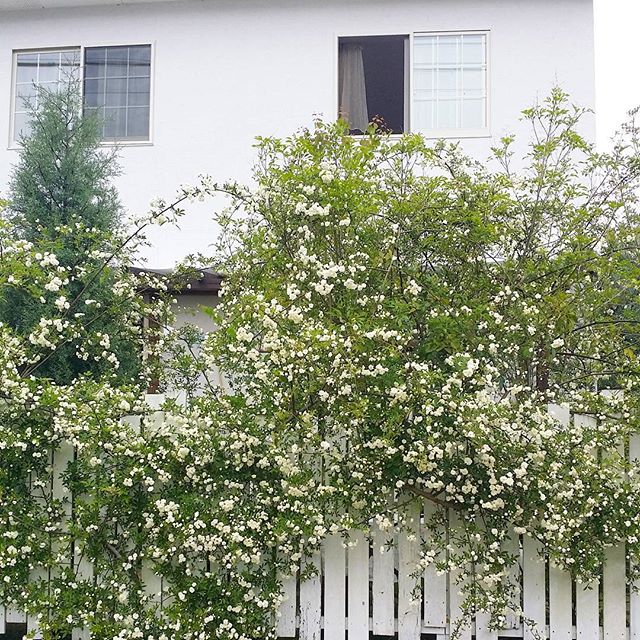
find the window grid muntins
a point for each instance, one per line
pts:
(117, 86)
(450, 82)
(40, 69)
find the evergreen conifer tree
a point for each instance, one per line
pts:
(62, 200)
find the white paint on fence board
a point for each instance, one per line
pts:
(310, 602)
(560, 413)
(3, 628)
(587, 611)
(14, 616)
(634, 596)
(456, 619)
(435, 586)
(358, 592)
(587, 595)
(286, 624)
(533, 589)
(512, 546)
(614, 595)
(482, 627)
(560, 627)
(152, 584)
(334, 588)
(408, 559)
(383, 582)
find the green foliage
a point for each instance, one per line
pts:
(63, 202)
(395, 321)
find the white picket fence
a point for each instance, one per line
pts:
(366, 587)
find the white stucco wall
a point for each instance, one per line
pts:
(225, 71)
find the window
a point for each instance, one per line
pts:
(116, 85)
(448, 73)
(33, 69)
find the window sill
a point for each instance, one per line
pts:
(445, 134)
(125, 143)
(137, 143)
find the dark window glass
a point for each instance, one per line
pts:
(372, 82)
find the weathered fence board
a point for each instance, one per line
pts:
(358, 592)
(334, 588)
(383, 584)
(408, 558)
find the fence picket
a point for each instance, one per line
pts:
(533, 590)
(358, 591)
(310, 595)
(614, 595)
(286, 622)
(334, 588)
(383, 583)
(435, 586)
(457, 622)
(560, 627)
(587, 613)
(408, 559)
(587, 595)
(482, 627)
(512, 546)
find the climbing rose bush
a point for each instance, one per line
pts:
(394, 322)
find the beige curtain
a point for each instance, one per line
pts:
(352, 90)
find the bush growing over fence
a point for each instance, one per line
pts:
(395, 319)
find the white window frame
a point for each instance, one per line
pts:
(432, 134)
(14, 145)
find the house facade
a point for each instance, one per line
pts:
(186, 85)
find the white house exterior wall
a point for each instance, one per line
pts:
(225, 71)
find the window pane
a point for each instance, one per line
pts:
(447, 114)
(423, 112)
(473, 114)
(95, 111)
(474, 49)
(423, 82)
(448, 50)
(140, 61)
(117, 62)
(21, 125)
(447, 79)
(116, 94)
(95, 62)
(49, 67)
(139, 91)
(473, 79)
(94, 92)
(27, 67)
(424, 50)
(69, 63)
(115, 122)
(25, 94)
(138, 122)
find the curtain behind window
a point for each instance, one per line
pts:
(352, 88)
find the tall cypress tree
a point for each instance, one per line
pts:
(62, 200)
